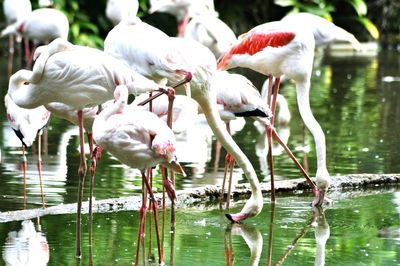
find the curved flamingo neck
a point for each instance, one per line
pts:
(303, 101)
(208, 105)
(21, 91)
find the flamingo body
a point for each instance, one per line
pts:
(15, 10)
(324, 31)
(75, 75)
(272, 48)
(41, 25)
(237, 97)
(290, 53)
(70, 114)
(116, 10)
(138, 45)
(212, 32)
(137, 138)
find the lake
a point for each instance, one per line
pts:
(356, 99)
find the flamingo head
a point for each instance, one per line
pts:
(166, 150)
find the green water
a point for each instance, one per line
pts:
(357, 105)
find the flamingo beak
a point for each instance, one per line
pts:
(177, 168)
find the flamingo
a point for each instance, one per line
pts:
(182, 10)
(211, 31)
(77, 76)
(324, 31)
(276, 49)
(27, 124)
(237, 97)
(116, 10)
(138, 45)
(15, 10)
(140, 140)
(203, 64)
(42, 26)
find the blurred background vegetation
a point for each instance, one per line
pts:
(367, 19)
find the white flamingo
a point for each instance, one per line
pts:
(276, 49)
(182, 10)
(211, 31)
(77, 76)
(15, 10)
(140, 140)
(116, 10)
(27, 125)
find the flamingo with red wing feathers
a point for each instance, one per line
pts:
(275, 49)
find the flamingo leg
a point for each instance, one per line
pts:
(27, 51)
(272, 103)
(231, 166)
(155, 210)
(81, 174)
(149, 255)
(10, 54)
(142, 221)
(271, 132)
(39, 164)
(271, 234)
(229, 163)
(24, 166)
(95, 157)
(289, 152)
(221, 197)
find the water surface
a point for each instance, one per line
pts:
(355, 98)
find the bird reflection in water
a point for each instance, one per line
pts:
(251, 236)
(322, 233)
(28, 246)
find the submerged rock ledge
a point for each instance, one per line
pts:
(208, 195)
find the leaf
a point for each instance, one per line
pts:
(359, 6)
(371, 28)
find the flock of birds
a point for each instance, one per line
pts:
(90, 87)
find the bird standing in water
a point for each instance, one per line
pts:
(27, 125)
(275, 49)
(79, 77)
(139, 139)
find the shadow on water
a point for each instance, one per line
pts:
(357, 101)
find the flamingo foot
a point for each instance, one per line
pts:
(169, 187)
(237, 217)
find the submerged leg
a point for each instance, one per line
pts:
(24, 166)
(39, 164)
(81, 174)
(155, 211)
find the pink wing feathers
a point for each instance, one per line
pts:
(254, 42)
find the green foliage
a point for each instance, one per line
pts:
(325, 9)
(83, 31)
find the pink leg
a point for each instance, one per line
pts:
(155, 211)
(231, 166)
(81, 173)
(141, 223)
(269, 137)
(24, 166)
(95, 157)
(39, 164)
